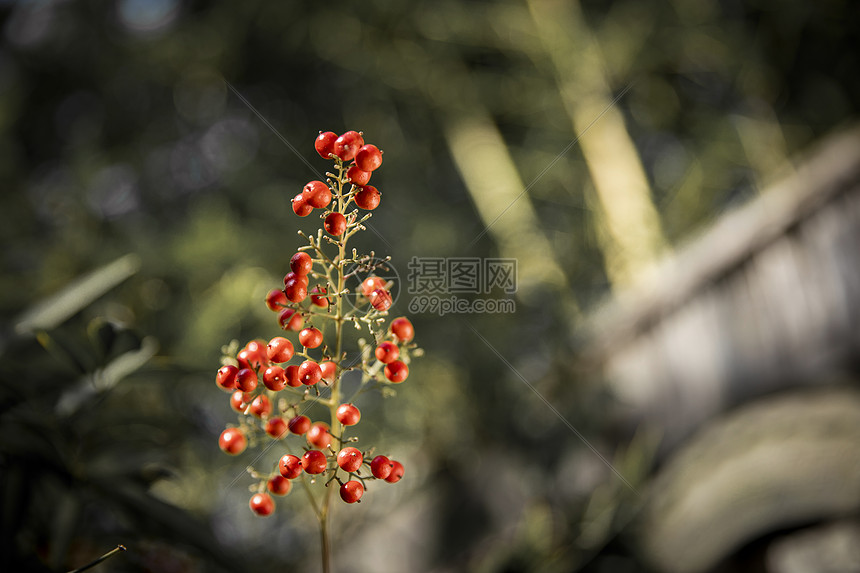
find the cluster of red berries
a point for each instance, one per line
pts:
(365, 158)
(269, 382)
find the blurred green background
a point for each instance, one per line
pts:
(146, 214)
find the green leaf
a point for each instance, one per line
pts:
(56, 309)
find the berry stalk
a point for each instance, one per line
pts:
(270, 383)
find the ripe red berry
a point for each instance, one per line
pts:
(262, 504)
(370, 284)
(311, 337)
(314, 462)
(402, 329)
(279, 485)
(317, 194)
(276, 427)
(397, 371)
(309, 373)
(335, 224)
(232, 441)
(347, 145)
(368, 158)
(253, 355)
(368, 198)
(357, 176)
(289, 319)
(276, 299)
(226, 377)
(279, 349)
(351, 491)
(301, 263)
(348, 414)
(318, 435)
(299, 425)
(350, 459)
(381, 299)
(324, 143)
(295, 290)
(292, 375)
(290, 466)
(301, 207)
(237, 401)
(396, 472)
(246, 380)
(387, 352)
(329, 370)
(318, 296)
(293, 277)
(381, 467)
(261, 406)
(275, 378)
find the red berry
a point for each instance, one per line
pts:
(309, 373)
(276, 299)
(257, 350)
(317, 194)
(318, 435)
(357, 176)
(396, 472)
(295, 290)
(397, 371)
(381, 299)
(387, 352)
(279, 485)
(289, 319)
(226, 377)
(301, 207)
(370, 284)
(261, 406)
(246, 380)
(253, 355)
(349, 459)
(329, 370)
(381, 467)
(279, 349)
(293, 277)
(237, 401)
(368, 198)
(335, 224)
(232, 441)
(314, 462)
(324, 143)
(262, 504)
(301, 263)
(351, 491)
(292, 375)
(347, 145)
(402, 329)
(311, 337)
(318, 297)
(290, 466)
(274, 378)
(299, 425)
(368, 158)
(276, 427)
(348, 414)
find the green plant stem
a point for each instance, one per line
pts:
(334, 398)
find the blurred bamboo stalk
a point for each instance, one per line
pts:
(501, 199)
(634, 237)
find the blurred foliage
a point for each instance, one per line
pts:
(119, 135)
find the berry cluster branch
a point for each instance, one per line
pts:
(270, 382)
